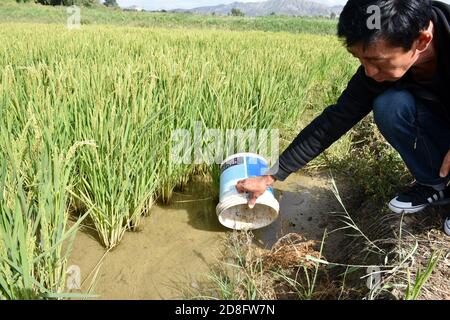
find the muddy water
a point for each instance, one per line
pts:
(177, 242)
(306, 202)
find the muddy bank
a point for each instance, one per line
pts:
(177, 243)
(306, 202)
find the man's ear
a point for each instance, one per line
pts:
(425, 38)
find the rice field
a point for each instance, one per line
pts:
(87, 116)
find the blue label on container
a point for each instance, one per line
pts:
(255, 167)
(230, 163)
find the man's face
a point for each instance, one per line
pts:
(383, 62)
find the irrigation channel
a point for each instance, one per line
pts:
(178, 242)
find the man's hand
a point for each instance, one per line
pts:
(445, 169)
(255, 187)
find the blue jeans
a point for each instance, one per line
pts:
(420, 137)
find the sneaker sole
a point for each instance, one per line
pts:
(409, 210)
(416, 209)
(447, 227)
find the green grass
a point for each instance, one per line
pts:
(421, 277)
(14, 12)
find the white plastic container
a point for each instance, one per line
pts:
(233, 211)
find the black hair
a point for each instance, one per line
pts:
(401, 21)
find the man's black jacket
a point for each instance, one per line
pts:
(356, 102)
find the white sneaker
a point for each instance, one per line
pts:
(447, 226)
(417, 197)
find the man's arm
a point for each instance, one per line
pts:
(336, 120)
(352, 106)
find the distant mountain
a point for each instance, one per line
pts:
(279, 7)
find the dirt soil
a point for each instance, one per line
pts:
(306, 204)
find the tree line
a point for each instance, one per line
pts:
(86, 3)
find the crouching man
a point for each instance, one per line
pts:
(404, 78)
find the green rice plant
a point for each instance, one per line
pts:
(118, 182)
(33, 222)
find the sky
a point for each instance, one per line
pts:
(189, 4)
